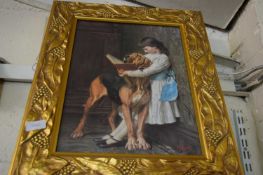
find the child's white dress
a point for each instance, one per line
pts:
(160, 112)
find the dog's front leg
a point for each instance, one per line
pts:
(131, 143)
(78, 131)
(125, 95)
(112, 116)
(142, 144)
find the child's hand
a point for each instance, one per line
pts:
(121, 72)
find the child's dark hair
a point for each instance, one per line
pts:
(152, 42)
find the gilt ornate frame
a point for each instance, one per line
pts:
(34, 153)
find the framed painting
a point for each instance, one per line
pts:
(125, 90)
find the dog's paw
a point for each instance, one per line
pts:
(77, 134)
(142, 144)
(131, 144)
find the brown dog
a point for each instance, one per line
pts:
(132, 93)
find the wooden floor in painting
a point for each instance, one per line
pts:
(97, 126)
(86, 143)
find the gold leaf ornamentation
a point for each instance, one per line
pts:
(40, 140)
(213, 136)
(192, 171)
(127, 166)
(68, 169)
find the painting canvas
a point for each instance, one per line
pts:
(93, 41)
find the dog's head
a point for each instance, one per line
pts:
(139, 60)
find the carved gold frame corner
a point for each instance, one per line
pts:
(34, 153)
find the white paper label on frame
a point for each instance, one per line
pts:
(35, 125)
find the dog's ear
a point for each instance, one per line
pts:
(131, 58)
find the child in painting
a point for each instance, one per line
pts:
(159, 111)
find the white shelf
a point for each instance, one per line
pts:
(14, 72)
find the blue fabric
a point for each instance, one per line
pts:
(169, 89)
(160, 76)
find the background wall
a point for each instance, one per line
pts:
(246, 42)
(13, 97)
(21, 33)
